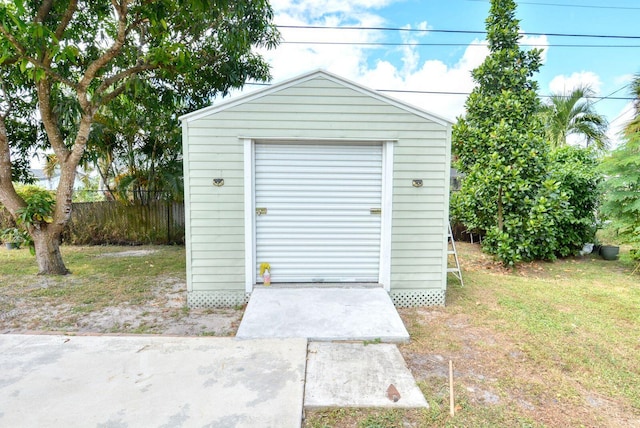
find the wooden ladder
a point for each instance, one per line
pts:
(451, 251)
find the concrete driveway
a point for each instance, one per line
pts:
(262, 378)
(141, 381)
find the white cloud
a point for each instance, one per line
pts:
(432, 76)
(624, 79)
(618, 123)
(562, 84)
(346, 60)
(320, 7)
(407, 72)
(411, 72)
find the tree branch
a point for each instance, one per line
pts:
(123, 75)
(8, 196)
(95, 66)
(43, 11)
(48, 120)
(114, 93)
(66, 18)
(5, 96)
(111, 53)
(22, 52)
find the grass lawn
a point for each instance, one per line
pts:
(549, 344)
(101, 276)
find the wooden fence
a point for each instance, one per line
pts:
(97, 223)
(157, 222)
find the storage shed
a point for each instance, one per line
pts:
(327, 181)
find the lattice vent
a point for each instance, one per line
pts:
(413, 298)
(216, 299)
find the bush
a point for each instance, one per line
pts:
(577, 172)
(554, 222)
(40, 204)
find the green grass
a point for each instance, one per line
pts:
(97, 280)
(585, 322)
(551, 344)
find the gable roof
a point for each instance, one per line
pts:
(303, 78)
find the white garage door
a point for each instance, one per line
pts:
(318, 211)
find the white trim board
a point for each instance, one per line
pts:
(187, 205)
(387, 215)
(249, 216)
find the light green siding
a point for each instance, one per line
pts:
(324, 109)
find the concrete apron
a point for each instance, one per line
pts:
(322, 314)
(339, 374)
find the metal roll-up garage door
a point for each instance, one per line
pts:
(318, 211)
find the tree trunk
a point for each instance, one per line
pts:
(48, 256)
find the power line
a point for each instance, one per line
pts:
(417, 30)
(468, 93)
(407, 91)
(621, 115)
(584, 6)
(614, 92)
(450, 44)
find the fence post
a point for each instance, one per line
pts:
(168, 204)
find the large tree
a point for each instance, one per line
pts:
(574, 114)
(88, 53)
(500, 147)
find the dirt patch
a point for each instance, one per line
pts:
(130, 253)
(165, 313)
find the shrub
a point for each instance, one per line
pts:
(577, 172)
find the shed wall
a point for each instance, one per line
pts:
(315, 109)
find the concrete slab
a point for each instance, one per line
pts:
(322, 314)
(62, 381)
(358, 375)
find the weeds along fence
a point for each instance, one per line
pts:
(96, 223)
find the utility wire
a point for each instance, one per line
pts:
(612, 93)
(621, 115)
(468, 93)
(406, 91)
(417, 30)
(450, 44)
(584, 6)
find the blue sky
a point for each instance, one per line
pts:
(447, 68)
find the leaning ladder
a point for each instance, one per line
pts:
(451, 251)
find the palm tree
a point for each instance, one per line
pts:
(633, 127)
(574, 114)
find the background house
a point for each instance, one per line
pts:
(326, 180)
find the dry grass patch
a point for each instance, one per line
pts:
(111, 290)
